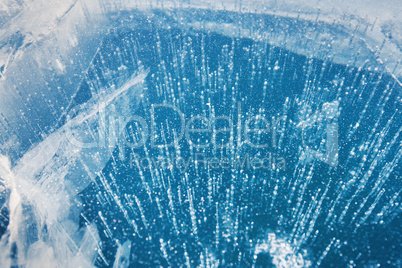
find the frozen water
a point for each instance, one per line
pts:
(200, 134)
(231, 161)
(48, 177)
(122, 258)
(281, 252)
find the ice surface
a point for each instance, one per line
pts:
(122, 259)
(323, 78)
(194, 197)
(50, 175)
(359, 34)
(283, 255)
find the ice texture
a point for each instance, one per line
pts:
(44, 226)
(326, 77)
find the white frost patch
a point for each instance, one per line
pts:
(122, 259)
(60, 66)
(283, 254)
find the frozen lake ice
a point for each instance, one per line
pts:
(200, 135)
